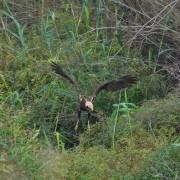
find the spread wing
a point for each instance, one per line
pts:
(58, 70)
(115, 85)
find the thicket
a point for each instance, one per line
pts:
(136, 132)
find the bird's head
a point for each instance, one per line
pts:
(87, 102)
(89, 105)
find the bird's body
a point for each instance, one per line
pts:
(87, 104)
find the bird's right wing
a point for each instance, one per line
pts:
(58, 70)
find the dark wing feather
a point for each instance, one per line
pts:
(58, 70)
(115, 85)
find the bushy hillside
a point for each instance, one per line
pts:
(135, 132)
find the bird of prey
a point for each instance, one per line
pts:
(86, 104)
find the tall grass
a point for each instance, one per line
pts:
(134, 129)
(124, 108)
(19, 33)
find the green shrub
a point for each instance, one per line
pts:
(157, 114)
(134, 136)
(163, 164)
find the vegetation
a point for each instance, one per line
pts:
(135, 134)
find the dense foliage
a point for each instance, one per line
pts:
(135, 134)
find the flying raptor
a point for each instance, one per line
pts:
(86, 104)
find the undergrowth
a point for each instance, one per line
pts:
(136, 132)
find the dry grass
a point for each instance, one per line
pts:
(154, 26)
